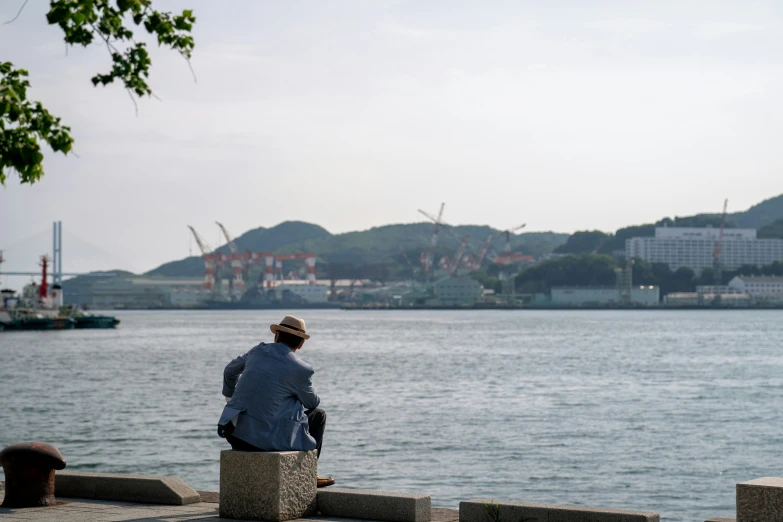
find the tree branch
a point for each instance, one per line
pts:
(109, 48)
(135, 105)
(190, 66)
(17, 14)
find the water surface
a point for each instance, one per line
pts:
(660, 410)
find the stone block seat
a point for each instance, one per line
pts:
(760, 500)
(274, 485)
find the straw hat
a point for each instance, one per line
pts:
(292, 325)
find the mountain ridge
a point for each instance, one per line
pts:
(376, 245)
(765, 217)
(384, 244)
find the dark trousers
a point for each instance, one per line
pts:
(316, 420)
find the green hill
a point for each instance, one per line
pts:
(767, 217)
(757, 216)
(382, 245)
(379, 245)
(257, 240)
(277, 237)
(772, 231)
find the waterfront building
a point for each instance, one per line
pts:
(603, 295)
(457, 291)
(306, 293)
(134, 292)
(717, 289)
(761, 288)
(692, 248)
(687, 299)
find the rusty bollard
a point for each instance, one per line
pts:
(29, 474)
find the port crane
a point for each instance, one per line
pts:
(507, 261)
(210, 259)
(509, 258)
(404, 255)
(236, 258)
(450, 266)
(476, 264)
(718, 248)
(428, 256)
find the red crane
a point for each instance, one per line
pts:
(452, 269)
(450, 266)
(476, 265)
(508, 258)
(309, 259)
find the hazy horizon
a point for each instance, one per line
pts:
(354, 114)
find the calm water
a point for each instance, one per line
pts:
(645, 410)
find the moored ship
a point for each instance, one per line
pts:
(40, 307)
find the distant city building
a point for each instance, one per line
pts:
(302, 292)
(134, 292)
(758, 287)
(685, 299)
(705, 233)
(603, 295)
(717, 289)
(692, 248)
(457, 291)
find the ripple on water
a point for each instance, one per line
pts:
(663, 411)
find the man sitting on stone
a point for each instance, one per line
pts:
(273, 407)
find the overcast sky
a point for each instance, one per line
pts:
(563, 114)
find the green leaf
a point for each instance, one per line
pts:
(25, 124)
(56, 15)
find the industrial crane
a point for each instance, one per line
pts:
(718, 248)
(507, 261)
(231, 245)
(450, 266)
(508, 258)
(428, 256)
(404, 255)
(309, 260)
(236, 261)
(476, 265)
(207, 253)
(452, 269)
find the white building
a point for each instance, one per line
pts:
(707, 233)
(457, 291)
(184, 297)
(757, 286)
(603, 295)
(304, 292)
(135, 292)
(688, 299)
(693, 247)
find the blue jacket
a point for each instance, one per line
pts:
(270, 398)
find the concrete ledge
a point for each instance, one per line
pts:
(146, 489)
(476, 511)
(760, 500)
(374, 505)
